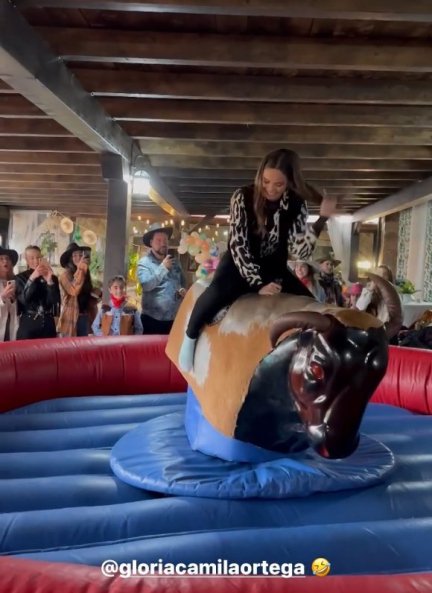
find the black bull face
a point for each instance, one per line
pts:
(312, 390)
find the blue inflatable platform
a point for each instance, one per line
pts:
(60, 500)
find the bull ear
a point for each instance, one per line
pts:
(301, 320)
(392, 302)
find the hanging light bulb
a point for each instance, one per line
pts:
(139, 217)
(182, 223)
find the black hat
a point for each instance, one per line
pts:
(11, 253)
(65, 257)
(156, 227)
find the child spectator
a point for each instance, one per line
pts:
(118, 318)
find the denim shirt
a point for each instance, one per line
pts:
(159, 299)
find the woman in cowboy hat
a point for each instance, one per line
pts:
(8, 305)
(76, 290)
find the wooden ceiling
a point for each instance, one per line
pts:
(208, 88)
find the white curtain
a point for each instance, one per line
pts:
(340, 233)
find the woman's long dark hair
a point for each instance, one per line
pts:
(87, 287)
(288, 163)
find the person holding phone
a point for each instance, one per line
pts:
(76, 292)
(8, 305)
(38, 296)
(162, 281)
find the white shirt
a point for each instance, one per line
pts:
(7, 307)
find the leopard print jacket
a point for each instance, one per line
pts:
(301, 237)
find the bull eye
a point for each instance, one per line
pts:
(317, 371)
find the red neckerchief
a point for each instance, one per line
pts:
(117, 303)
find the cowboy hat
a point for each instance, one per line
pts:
(329, 258)
(156, 227)
(312, 265)
(65, 257)
(11, 253)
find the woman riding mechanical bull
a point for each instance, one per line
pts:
(283, 372)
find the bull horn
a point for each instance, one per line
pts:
(392, 301)
(301, 320)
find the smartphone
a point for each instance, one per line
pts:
(11, 282)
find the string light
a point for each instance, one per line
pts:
(182, 223)
(139, 217)
(147, 221)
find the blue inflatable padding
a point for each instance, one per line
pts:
(386, 528)
(202, 436)
(157, 456)
(98, 402)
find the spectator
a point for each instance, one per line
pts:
(118, 318)
(330, 284)
(8, 305)
(306, 273)
(371, 300)
(162, 281)
(76, 290)
(38, 296)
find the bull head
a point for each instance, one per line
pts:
(313, 387)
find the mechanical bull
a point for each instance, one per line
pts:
(286, 372)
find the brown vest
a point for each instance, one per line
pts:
(126, 321)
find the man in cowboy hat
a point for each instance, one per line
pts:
(330, 284)
(162, 282)
(8, 305)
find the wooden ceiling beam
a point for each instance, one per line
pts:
(230, 87)
(47, 186)
(42, 144)
(307, 164)
(225, 196)
(92, 172)
(288, 134)
(200, 185)
(54, 159)
(170, 173)
(256, 149)
(224, 112)
(408, 197)
(31, 127)
(371, 10)
(122, 46)
(14, 105)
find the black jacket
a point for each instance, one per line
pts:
(37, 295)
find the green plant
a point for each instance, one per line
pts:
(405, 286)
(48, 244)
(96, 265)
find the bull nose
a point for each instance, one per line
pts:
(316, 433)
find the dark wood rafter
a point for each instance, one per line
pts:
(380, 10)
(132, 47)
(264, 88)
(199, 91)
(34, 71)
(277, 133)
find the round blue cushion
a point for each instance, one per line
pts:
(157, 456)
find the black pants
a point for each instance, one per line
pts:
(228, 285)
(155, 326)
(32, 327)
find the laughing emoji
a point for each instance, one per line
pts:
(321, 567)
